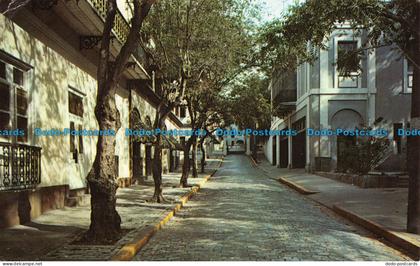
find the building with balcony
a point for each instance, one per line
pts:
(48, 62)
(318, 96)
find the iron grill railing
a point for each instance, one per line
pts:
(121, 27)
(20, 166)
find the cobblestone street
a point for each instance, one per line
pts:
(241, 214)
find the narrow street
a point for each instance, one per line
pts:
(241, 214)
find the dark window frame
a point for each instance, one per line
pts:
(75, 104)
(409, 76)
(397, 138)
(3, 70)
(354, 74)
(15, 114)
(76, 100)
(182, 111)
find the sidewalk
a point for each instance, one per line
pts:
(49, 236)
(377, 209)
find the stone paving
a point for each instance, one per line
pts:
(49, 236)
(384, 206)
(241, 214)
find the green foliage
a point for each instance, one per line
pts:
(199, 37)
(284, 43)
(364, 156)
(202, 46)
(249, 102)
(349, 60)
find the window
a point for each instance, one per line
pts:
(2, 70)
(76, 111)
(408, 76)
(348, 64)
(72, 139)
(17, 76)
(410, 68)
(183, 111)
(4, 106)
(80, 140)
(75, 104)
(22, 112)
(13, 100)
(397, 138)
(76, 145)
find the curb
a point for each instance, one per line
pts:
(295, 186)
(129, 250)
(407, 245)
(410, 246)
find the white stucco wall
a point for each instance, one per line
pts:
(122, 147)
(267, 148)
(48, 84)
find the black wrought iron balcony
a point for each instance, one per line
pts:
(121, 27)
(284, 93)
(20, 166)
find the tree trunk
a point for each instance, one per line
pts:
(161, 114)
(105, 224)
(186, 165)
(413, 143)
(254, 147)
(157, 171)
(194, 159)
(203, 156)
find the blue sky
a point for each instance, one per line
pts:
(274, 8)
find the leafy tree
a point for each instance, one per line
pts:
(394, 22)
(194, 41)
(207, 111)
(251, 94)
(167, 44)
(105, 221)
(170, 95)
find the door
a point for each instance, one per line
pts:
(284, 152)
(299, 150)
(274, 150)
(148, 160)
(137, 160)
(344, 143)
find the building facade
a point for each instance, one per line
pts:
(318, 96)
(235, 142)
(48, 61)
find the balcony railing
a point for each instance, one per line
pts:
(121, 26)
(20, 166)
(284, 87)
(284, 93)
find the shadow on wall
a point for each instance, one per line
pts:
(391, 101)
(47, 84)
